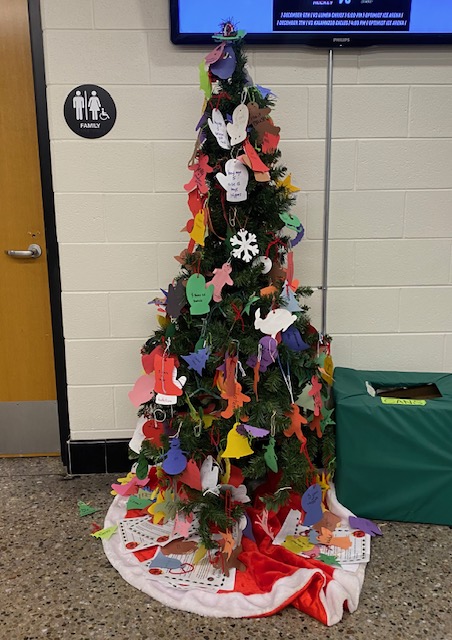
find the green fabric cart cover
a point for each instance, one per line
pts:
(394, 457)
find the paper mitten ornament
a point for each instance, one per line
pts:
(237, 128)
(198, 294)
(217, 126)
(234, 180)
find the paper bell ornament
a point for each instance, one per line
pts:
(237, 446)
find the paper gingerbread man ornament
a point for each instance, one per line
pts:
(200, 170)
(221, 277)
(260, 121)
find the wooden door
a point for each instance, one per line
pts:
(28, 412)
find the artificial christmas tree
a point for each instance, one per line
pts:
(236, 371)
(234, 418)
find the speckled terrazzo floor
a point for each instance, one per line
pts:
(56, 583)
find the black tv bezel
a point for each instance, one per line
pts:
(320, 40)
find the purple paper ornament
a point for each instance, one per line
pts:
(299, 237)
(175, 461)
(311, 503)
(197, 360)
(248, 530)
(175, 299)
(202, 121)
(225, 66)
(256, 432)
(365, 525)
(291, 337)
(269, 353)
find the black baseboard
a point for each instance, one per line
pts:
(98, 456)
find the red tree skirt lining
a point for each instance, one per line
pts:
(275, 578)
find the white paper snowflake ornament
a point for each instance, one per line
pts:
(245, 244)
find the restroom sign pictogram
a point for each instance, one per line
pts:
(90, 111)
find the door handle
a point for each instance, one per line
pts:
(33, 251)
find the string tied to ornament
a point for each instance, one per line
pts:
(287, 379)
(238, 315)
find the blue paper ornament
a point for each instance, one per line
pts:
(311, 502)
(175, 461)
(291, 337)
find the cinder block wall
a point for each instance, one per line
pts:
(120, 203)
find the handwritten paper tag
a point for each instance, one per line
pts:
(234, 180)
(217, 126)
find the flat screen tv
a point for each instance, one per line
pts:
(321, 23)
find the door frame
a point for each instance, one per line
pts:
(53, 261)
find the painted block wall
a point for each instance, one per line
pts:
(120, 204)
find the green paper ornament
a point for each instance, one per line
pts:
(142, 467)
(85, 509)
(198, 295)
(291, 221)
(270, 455)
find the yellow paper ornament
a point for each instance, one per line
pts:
(237, 446)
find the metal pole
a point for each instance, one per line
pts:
(327, 187)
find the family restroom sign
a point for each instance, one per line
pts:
(90, 111)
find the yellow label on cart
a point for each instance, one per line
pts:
(416, 403)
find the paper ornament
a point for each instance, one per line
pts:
(197, 229)
(269, 142)
(326, 371)
(198, 294)
(174, 460)
(234, 180)
(277, 320)
(234, 402)
(315, 393)
(291, 337)
(298, 237)
(204, 80)
(153, 431)
(264, 262)
(105, 534)
(217, 126)
(362, 524)
(330, 560)
(181, 526)
(148, 359)
(161, 561)
(142, 467)
(209, 474)
(224, 67)
(311, 503)
(237, 128)
(237, 446)
(270, 456)
(245, 245)
(259, 120)
(289, 301)
(262, 522)
(85, 509)
(215, 54)
(191, 476)
(269, 352)
(287, 184)
(291, 221)
(165, 376)
(221, 277)
(134, 502)
(252, 160)
(200, 170)
(298, 544)
(296, 420)
(197, 360)
(175, 299)
(329, 521)
(255, 432)
(315, 424)
(138, 435)
(143, 390)
(305, 400)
